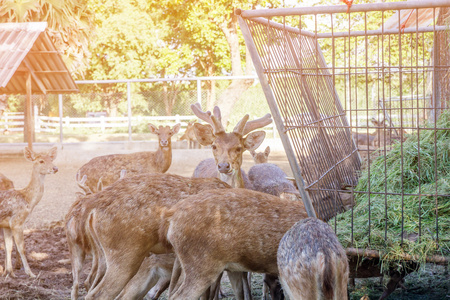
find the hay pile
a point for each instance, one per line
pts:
(424, 169)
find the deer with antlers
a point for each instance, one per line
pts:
(17, 205)
(228, 147)
(108, 167)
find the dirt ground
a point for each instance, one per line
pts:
(45, 240)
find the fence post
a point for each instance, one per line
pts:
(199, 91)
(60, 105)
(129, 110)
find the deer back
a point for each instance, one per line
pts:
(270, 179)
(312, 263)
(237, 229)
(108, 167)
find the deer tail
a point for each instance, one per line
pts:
(164, 228)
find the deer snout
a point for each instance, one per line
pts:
(224, 167)
(55, 169)
(164, 143)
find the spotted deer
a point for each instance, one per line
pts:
(80, 241)
(17, 205)
(261, 157)
(123, 221)
(228, 149)
(108, 167)
(242, 228)
(312, 263)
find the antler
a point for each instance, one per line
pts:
(82, 184)
(214, 120)
(258, 123)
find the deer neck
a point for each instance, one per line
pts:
(163, 158)
(234, 179)
(35, 189)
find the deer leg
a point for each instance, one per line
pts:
(239, 283)
(77, 259)
(18, 239)
(8, 239)
(175, 278)
(195, 282)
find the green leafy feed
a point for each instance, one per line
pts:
(424, 169)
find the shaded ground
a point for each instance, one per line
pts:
(45, 240)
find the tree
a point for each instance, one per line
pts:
(69, 21)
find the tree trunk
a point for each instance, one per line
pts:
(230, 96)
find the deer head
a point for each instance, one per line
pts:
(229, 147)
(164, 133)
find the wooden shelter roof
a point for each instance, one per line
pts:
(27, 47)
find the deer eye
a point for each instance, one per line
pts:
(214, 147)
(41, 161)
(238, 150)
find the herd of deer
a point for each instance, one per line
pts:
(147, 230)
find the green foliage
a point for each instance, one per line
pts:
(417, 172)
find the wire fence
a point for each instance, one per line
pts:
(120, 110)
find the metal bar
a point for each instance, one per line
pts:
(129, 110)
(167, 79)
(60, 106)
(277, 117)
(329, 9)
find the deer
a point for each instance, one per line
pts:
(189, 136)
(235, 229)
(17, 205)
(80, 242)
(123, 221)
(312, 263)
(261, 157)
(5, 183)
(227, 150)
(108, 167)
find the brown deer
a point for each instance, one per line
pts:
(189, 136)
(312, 263)
(17, 205)
(236, 230)
(261, 157)
(5, 183)
(123, 221)
(108, 167)
(228, 149)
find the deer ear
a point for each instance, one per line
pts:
(254, 139)
(152, 128)
(176, 128)
(204, 134)
(267, 151)
(29, 154)
(252, 153)
(52, 153)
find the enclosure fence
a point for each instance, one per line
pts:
(360, 100)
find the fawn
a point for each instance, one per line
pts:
(260, 157)
(312, 263)
(108, 167)
(16, 205)
(235, 229)
(122, 221)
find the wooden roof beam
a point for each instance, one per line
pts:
(35, 77)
